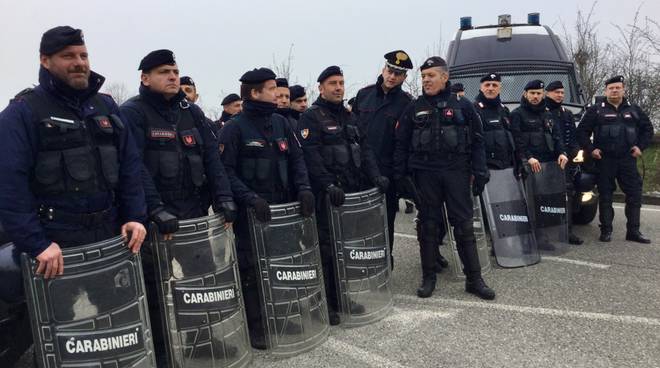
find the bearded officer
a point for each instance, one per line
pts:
(439, 152)
(265, 165)
(339, 161)
(554, 97)
(621, 131)
(70, 169)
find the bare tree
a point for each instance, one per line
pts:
(118, 91)
(413, 84)
(590, 55)
(283, 68)
(636, 58)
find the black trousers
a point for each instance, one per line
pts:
(450, 187)
(624, 170)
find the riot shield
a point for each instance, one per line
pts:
(511, 231)
(200, 295)
(483, 250)
(291, 291)
(361, 257)
(546, 203)
(95, 314)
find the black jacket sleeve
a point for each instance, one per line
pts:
(521, 147)
(586, 128)
(310, 139)
(403, 134)
(215, 171)
(478, 148)
(229, 140)
(645, 129)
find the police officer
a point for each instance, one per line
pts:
(564, 117)
(339, 161)
(298, 101)
(458, 89)
(231, 105)
(265, 164)
(188, 87)
(70, 169)
(495, 119)
(377, 108)
(537, 136)
(439, 151)
(284, 101)
(183, 174)
(621, 131)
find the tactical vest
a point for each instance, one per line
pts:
(264, 159)
(536, 132)
(615, 132)
(74, 156)
(440, 129)
(498, 140)
(340, 144)
(173, 152)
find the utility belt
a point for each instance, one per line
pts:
(88, 220)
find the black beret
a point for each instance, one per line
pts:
(282, 82)
(554, 85)
(187, 81)
(232, 97)
(457, 87)
(329, 72)
(535, 84)
(256, 76)
(56, 39)
(398, 60)
(433, 61)
(157, 58)
(617, 79)
(296, 92)
(491, 77)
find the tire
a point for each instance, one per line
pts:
(586, 213)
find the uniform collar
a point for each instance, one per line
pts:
(158, 100)
(60, 89)
(379, 88)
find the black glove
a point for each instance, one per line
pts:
(382, 183)
(479, 184)
(307, 203)
(406, 188)
(261, 209)
(167, 223)
(336, 195)
(228, 209)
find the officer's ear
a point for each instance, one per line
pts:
(144, 78)
(44, 60)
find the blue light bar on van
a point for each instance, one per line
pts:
(534, 19)
(466, 23)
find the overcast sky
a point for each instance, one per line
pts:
(217, 41)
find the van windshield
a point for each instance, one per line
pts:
(513, 85)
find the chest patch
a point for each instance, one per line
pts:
(161, 134)
(188, 139)
(104, 123)
(283, 145)
(304, 133)
(449, 113)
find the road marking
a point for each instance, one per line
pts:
(600, 266)
(643, 209)
(365, 356)
(533, 310)
(407, 236)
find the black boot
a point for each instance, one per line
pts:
(333, 318)
(636, 236)
(574, 239)
(426, 289)
(478, 287)
(357, 308)
(605, 234)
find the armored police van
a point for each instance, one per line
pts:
(520, 53)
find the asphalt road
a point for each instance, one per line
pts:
(597, 305)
